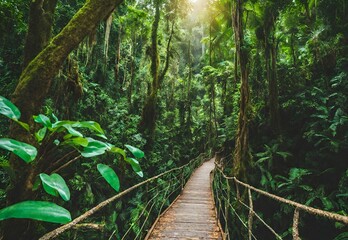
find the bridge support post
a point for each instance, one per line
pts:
(182, 179)
(228, 190)
(251, 215)
(295, 233)
(237, 190)
(146, 192)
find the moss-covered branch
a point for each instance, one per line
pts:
(35, 82)
(166, 65)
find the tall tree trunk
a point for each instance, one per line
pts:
(41, 15)
(293, 52)
(210, 127)
(210, 45)
(132, 77)
(39, 33)
(189, 82)
(203, 44)
(271, 71)
(31, 91)
(117, 60)
(212, 114)
(149, 114)
(224, 96)
(108, 24)
(148, 122)
(40, 22)
(273, 91)
(168, 55)
(241, 153)
(215, 134)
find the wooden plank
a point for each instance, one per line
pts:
(192, 216)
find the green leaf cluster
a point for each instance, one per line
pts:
(54, 184)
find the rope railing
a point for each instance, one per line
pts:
(225, 208)
(159, 190)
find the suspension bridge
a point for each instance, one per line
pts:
(194, 201)
(192, 215)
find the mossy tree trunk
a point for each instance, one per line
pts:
(213, 126)
(149, 114)
(30, 93)
(41, 16)
(273, 90)
(118, 84)
(189, 83)
(241, 153)
(148, 122)
(271, 71)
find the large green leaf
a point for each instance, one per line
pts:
(101, 136)
(109, 175)
(135, 165)
(23, 150)
(77, 141)
(72, 131)
(119, 151)
(44, 120)
(40, 135)
(95, 148)
(59, 124)
(37, 210)
(8, 109)
(89, 152)
(48, 189)
(55, 184)
(54, 117)
(90, 125)
(70, 125)
(135, 151)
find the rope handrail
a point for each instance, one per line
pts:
(311, 210)
(240, 219)
(260, 219)
(56, 232)
(222, 192)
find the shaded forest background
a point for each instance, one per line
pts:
(261, 82)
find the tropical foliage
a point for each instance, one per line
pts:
(261, 82)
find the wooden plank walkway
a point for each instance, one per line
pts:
(192, 216)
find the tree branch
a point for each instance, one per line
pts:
(166, 66)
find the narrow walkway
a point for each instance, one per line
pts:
(192, 216)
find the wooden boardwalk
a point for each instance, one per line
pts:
(192, 216)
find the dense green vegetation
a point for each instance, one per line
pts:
(264, 83)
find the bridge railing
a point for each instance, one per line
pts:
(230, 203)
(153, 196)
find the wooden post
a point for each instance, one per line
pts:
(251, 214)
(295, 232)
(146, 192)
(237, 190)
(182, 178)
(228, 190)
